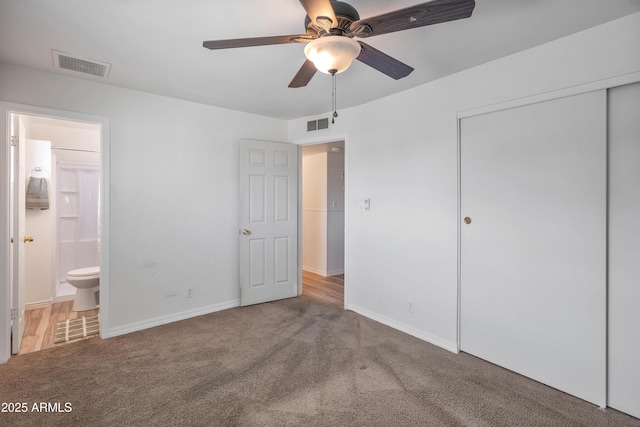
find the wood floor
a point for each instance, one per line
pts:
(40, 325)
(325, 289)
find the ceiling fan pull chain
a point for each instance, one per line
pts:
(333, 97)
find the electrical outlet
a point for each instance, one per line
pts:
(410, 306)
(189, 293)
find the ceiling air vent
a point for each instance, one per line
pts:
(86, 66)
(320, 124)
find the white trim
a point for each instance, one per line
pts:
(37, 305)
(175, 317)
(432, 339)
(459, 231)
(323, 273)
(5, 236)
(322, 210)
(321, 139)
(300, 267)
(607, 83)
(105, 221)
(317, 271)
(5, 287)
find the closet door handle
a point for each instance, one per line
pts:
(28, 239)
(245, 232)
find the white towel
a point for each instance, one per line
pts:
(37, 194)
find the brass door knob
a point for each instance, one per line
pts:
(28, 239)
(467, 220)
(245, 232)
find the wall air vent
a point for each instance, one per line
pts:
(320, 124)
(312, 125)
(92, 67)
(323, 123)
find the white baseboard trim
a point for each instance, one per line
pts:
(449, 346)
(36, 305)
(323, 273)
(315, 271)
(163, 320)
(335, 272)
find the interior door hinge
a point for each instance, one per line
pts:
(14, 313)
(14, 141)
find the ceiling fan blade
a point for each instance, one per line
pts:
(433, 12)
(316, 8)
(383, 62)
(255, 41)
(305, 73)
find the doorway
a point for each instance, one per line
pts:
(47, 140)
(63, 237)
(323, 221)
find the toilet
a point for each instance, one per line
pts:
(86, 281)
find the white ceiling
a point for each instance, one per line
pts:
(156, 45)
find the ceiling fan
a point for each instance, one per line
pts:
(332, 25)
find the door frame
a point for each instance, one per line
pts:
(325, 139)
(6, 108)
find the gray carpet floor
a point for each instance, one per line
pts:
(293, 362)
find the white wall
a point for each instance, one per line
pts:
(314, 212)
(406, 246)
(174, 204)
(335, 213)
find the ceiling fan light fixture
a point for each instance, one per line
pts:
(332, 54)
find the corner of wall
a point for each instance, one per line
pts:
(432, 339)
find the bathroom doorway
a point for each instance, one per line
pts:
(61, 233)
(323, 221)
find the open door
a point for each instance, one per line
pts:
(268, 221)
(19, 239)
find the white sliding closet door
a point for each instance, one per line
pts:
(624, 248)
(533, 257)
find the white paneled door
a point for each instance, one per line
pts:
(268, 221)
(533, 241)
